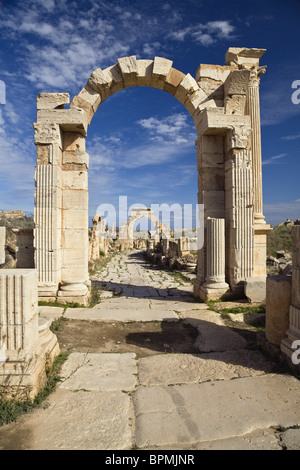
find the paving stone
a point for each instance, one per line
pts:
(290, 439)
(263, 439)
(52, 313)
(81, 421)
(184, 414)
(99, 372)
(170, 369)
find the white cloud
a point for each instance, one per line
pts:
(173, 128)
(291, 137)
(274, 159)
(205, 34)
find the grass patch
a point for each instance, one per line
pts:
(12, 409)
(246, 309)
(57, 324)
(180, 277)
(44, 303)
(101, 262)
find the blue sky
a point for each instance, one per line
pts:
(141, 140)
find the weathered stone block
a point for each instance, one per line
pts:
(186, 88)
(255, 289)
(75, 200)
(214, 72)
(73, 141)
(235, 104)
(243, 55)
(75, 180)
(161, 68)
(89, 98)
(172, 81)
(100, 81)
(117, 83)
(144, 72)
(75, 158)
(212, 144)
(128, 67)
(278, 300)
(194, 101)
(237, 83)
(52, 100)
(73, 119)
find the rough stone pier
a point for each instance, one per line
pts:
(144, 390)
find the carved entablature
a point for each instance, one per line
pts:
(46, 133)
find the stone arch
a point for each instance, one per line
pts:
(224, 104)
(130, 72)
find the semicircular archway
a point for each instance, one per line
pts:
(224, 103)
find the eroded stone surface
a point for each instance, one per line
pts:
(79, 420)
(99, 372)
(185, 414)
(170, 369)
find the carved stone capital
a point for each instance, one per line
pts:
(255, 73)
(238, 137)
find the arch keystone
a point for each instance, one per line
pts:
(144, 72)
(128, 67)
(161, 68)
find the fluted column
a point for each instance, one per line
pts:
(216, 252)
(253, 109)
(215, 284)
(47, 211)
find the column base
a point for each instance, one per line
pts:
(208, 291)
(25, 378)
(74, 291)
(47, 290)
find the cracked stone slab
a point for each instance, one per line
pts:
(262, 439)
(290, 439)
(52, 313)
(80, 421)
(128, 311)
(171, 369)
(184, 414)
(99, 372)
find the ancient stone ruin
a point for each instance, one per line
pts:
(224, 104)
(223, 101)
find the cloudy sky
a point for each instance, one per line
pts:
(141, 140)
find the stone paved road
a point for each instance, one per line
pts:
(163, 401)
